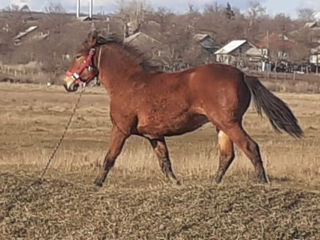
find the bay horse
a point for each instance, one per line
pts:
(156, 105)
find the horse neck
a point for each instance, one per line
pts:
(117, 69)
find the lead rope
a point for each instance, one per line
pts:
(11, 203)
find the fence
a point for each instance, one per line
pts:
(290, 82)
(287, 76)
(28, 73)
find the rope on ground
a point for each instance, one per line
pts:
(11, 203)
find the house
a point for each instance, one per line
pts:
(312, 25)
(204, 47)
(314, 29)
(206, 42)
(153, 49)
(315, 56)
(144, 43)
(277, 46)
(238, 53)
(20, 35)
(316, 16)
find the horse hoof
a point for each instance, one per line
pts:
(217, 180)
(264, 179)
(98, 182)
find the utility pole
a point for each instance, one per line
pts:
(90, 8)
(90, 13)
(78, 8)
(317, 62)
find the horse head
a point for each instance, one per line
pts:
(82, 68)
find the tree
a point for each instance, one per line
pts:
(54, 8)
(256, 14)
(211, 8)
(282, 24)
(132, 14)
(162, 16)
(133, 10)
(255, 11)
(306, 14)
(229, 12)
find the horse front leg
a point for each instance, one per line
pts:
(117, 141)
(161, 150)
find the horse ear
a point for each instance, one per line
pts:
(92, 38)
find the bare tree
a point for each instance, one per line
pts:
(255, 11)
(229, 12)
(282, 24)
(212, 8)
(306, 14)
(256, 14)
(163, 17)
(132, 14)
(54, 8)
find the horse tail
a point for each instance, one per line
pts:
(278, 112)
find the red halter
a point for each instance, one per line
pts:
(87, 63)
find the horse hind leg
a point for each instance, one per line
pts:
(226, 155)
(249, 147)
(161, 150)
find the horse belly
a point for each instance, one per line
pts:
(171, 126)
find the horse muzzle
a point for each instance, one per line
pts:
(71, 86)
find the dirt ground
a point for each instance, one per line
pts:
(137, 202)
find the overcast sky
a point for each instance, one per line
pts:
(288, 7)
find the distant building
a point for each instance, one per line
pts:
(315, 56)
(316, 16)
(153, 49)
(239, 53)
(206, 42)
(277, 46)
(143, 41)
(20, 35)
(207, 46)
(312, 25)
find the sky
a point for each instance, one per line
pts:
(273, 7)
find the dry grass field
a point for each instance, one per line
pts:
(137, 202)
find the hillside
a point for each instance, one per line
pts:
(51, 39)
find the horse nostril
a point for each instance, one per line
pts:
(74, 86)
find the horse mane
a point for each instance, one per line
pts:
(128, 50)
